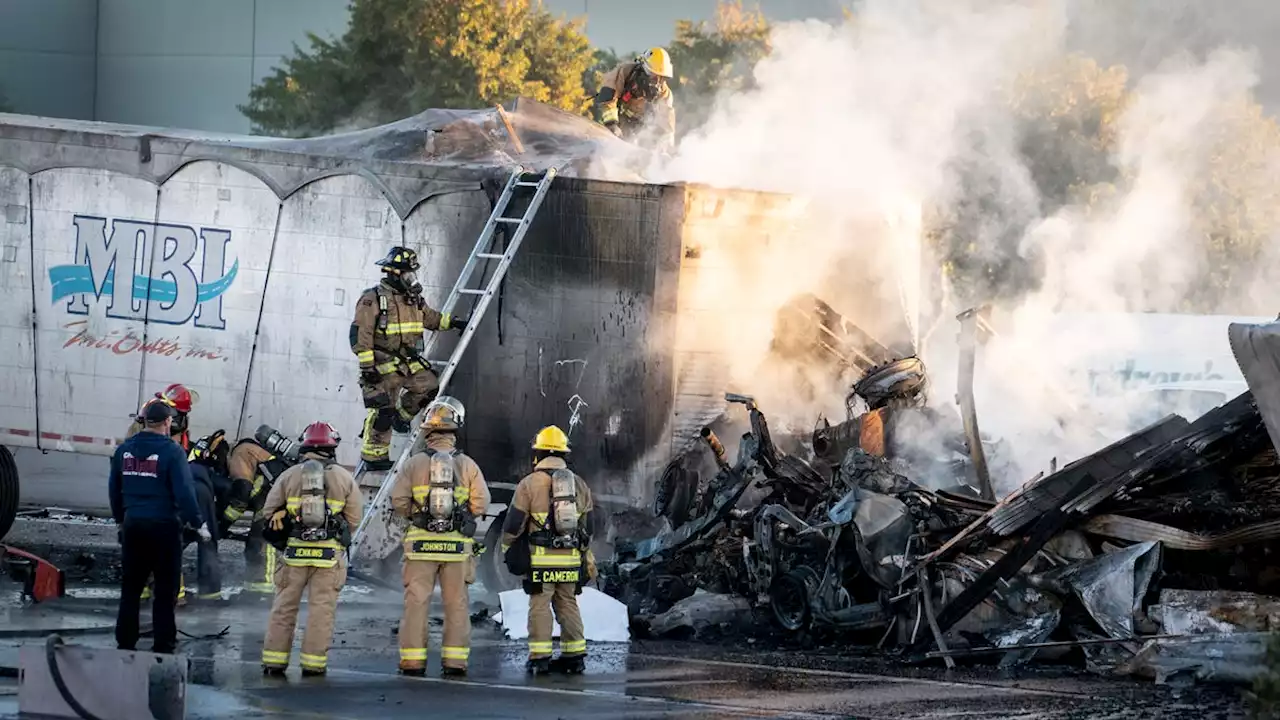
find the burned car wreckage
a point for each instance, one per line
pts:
(1145, 558)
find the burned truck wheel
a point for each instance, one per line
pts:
(492, 570)
(674, 498)
(789, 597)
(8, 490)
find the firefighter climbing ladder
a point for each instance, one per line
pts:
(463, 290)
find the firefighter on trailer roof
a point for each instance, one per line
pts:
(312, 508)
(387, 339)
(635, 103)
(545, 539)
(442, 492)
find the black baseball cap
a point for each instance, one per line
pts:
(157, 411)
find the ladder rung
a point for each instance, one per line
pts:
(470, 291)
(490, 256)
(526, 184)
(509, 220)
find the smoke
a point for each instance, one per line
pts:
(904, 113)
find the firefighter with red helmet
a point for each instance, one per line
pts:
(312, 507)
(387, 339)
(179, 397)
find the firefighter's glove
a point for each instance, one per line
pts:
(370, 377)
(277, 520)
(614, 128)
(203, 532)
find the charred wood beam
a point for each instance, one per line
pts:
(1042, 531)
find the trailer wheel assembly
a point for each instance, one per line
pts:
(8, 490)
(789, 598)
(493, 573)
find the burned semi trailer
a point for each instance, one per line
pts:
(138, 257)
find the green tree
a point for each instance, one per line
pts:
(1067, 116)
(716, 57)
(399, 57)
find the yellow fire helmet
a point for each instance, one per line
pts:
(444, 413)
(656, 61)
(551, 438)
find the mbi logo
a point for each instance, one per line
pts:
(144, 268)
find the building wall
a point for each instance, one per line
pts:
(629, 27)
(189, 63)
(47, 51)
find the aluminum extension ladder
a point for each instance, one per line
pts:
(480, 297)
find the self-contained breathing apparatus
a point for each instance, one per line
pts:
(563, 530)
(248, 497)
(312, 521)
(446, 507)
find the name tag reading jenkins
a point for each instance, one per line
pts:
(309, 553)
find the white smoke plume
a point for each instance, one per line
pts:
(903, 112)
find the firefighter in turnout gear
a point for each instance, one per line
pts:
(442, 492)
(254, 471)
(387, 339)
(181, 399)
(312, 508)
(634, 101)
(208, 464)
(545, 539)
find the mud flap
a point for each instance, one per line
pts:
(1257, 351)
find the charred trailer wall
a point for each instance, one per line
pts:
(582, 336)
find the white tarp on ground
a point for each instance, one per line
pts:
(603, 618)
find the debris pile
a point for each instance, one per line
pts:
(1151, 557)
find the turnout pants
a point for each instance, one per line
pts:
(420, 578)
(396, 395)
(208, 568)
(563, 598)
(260, 560)
(322, 586)
(151, 547)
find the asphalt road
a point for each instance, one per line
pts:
(624, 680)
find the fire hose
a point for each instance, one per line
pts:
(51, 655)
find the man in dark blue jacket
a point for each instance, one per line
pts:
(151, 498)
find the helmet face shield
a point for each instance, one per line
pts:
(444, 413)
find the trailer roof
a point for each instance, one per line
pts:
(437, 150)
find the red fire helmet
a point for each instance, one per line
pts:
(180, 397)
(319, 435)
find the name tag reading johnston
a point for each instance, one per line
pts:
(555, 576)
(450, 547)
(309, 553)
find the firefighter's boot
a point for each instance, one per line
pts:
(272, 671)
(447, 671)
(539, 666)
(569, 665)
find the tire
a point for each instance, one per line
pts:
(8, 490)
(789, 599)
(492, 571)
